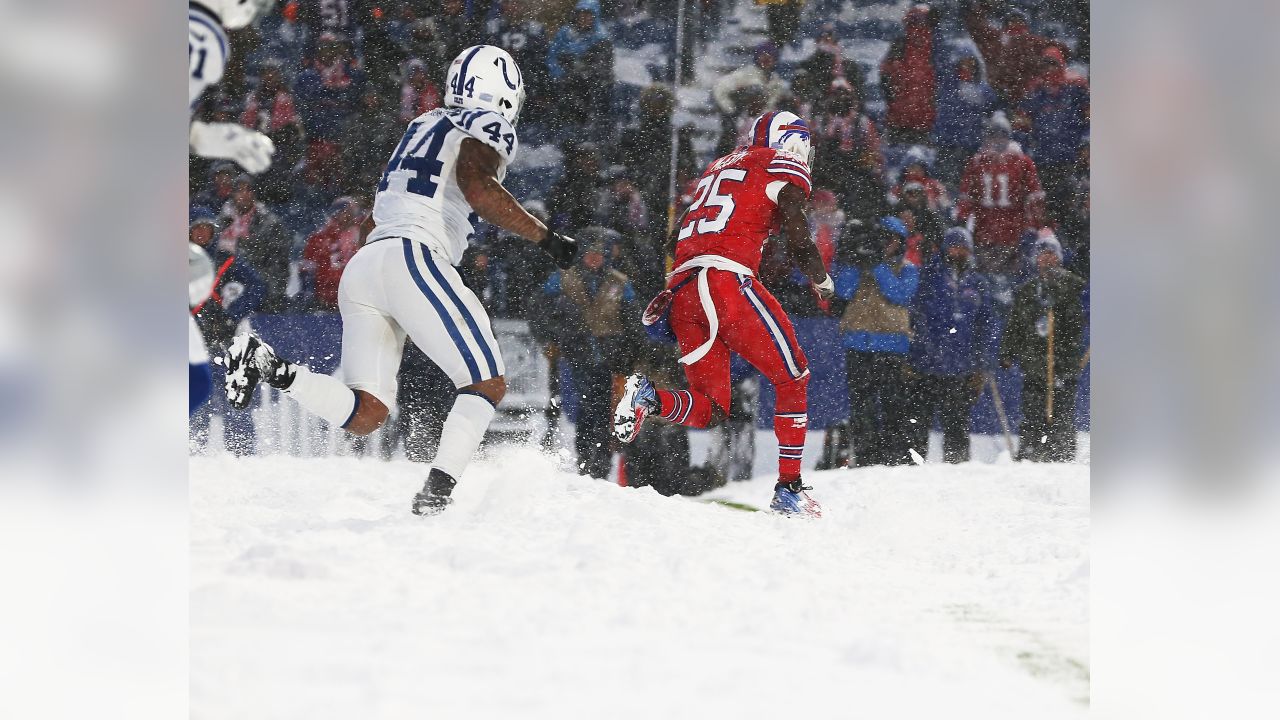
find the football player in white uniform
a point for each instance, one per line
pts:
(207, 52)
(447, 169)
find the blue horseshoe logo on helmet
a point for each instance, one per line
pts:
(505, 78)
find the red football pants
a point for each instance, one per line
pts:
(753, 325)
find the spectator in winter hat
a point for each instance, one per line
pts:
(1000, 197)
(256, 234)
(915, 169)
(222, 174)
(851, 164)
(953, 325)
(1048, 312)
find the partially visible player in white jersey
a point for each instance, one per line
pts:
(207, 53)
(447, 169)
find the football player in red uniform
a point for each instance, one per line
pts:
(716, 306)
(1000, 197)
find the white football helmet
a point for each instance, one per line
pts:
(236, 14)
(199, 275)
(484, 77)
(783, 131)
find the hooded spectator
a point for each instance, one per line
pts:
(964, 101)
(256, 234)
(1012, 54)
(909, 77)
(328, 251)
(761, 72)
(953, 328)
(1056, 111)
(915, 171)
(1048, 311)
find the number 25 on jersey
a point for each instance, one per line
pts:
(709, 195)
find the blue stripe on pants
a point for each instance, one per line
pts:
(466, 314)
(776, 333)
(449, 325)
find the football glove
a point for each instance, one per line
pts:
(561, 248)
(228, 141)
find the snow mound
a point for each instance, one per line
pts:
(938, 591)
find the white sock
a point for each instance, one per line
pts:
(463, 431)
(323, 395)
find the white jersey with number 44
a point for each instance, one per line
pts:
(418, 197)
(207, 52)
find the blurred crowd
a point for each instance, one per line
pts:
(951, 199)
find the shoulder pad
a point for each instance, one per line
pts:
(488, 127)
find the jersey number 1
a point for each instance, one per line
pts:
(423, 165)
(708, 195)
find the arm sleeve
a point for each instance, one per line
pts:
(898, 289)
(789, 168)
(846, 281)
(491, 129)
(255, 290)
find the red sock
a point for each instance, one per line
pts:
(790, 429)
(685, 408)
(790, 424)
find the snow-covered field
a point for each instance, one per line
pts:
(930, 592)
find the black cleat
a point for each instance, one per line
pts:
(248, 360)
(435, 495)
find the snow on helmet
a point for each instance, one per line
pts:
(783, 131)
(484, 77)
(238, 13)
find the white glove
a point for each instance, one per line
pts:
(826, 288)
(228, 141)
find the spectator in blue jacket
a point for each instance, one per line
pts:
(877, 276)
(964, 101)
(237, 291)
(1056, 112)
(953, 334)
(580, 63)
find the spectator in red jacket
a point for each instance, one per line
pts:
(418, 94)
(910, 79)
(329, 249)
(1000, 197)
(915, 172)
(1013, 55)
(270, 108)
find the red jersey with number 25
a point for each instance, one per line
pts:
(735, 206)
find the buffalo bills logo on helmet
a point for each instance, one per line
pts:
(784, 131)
